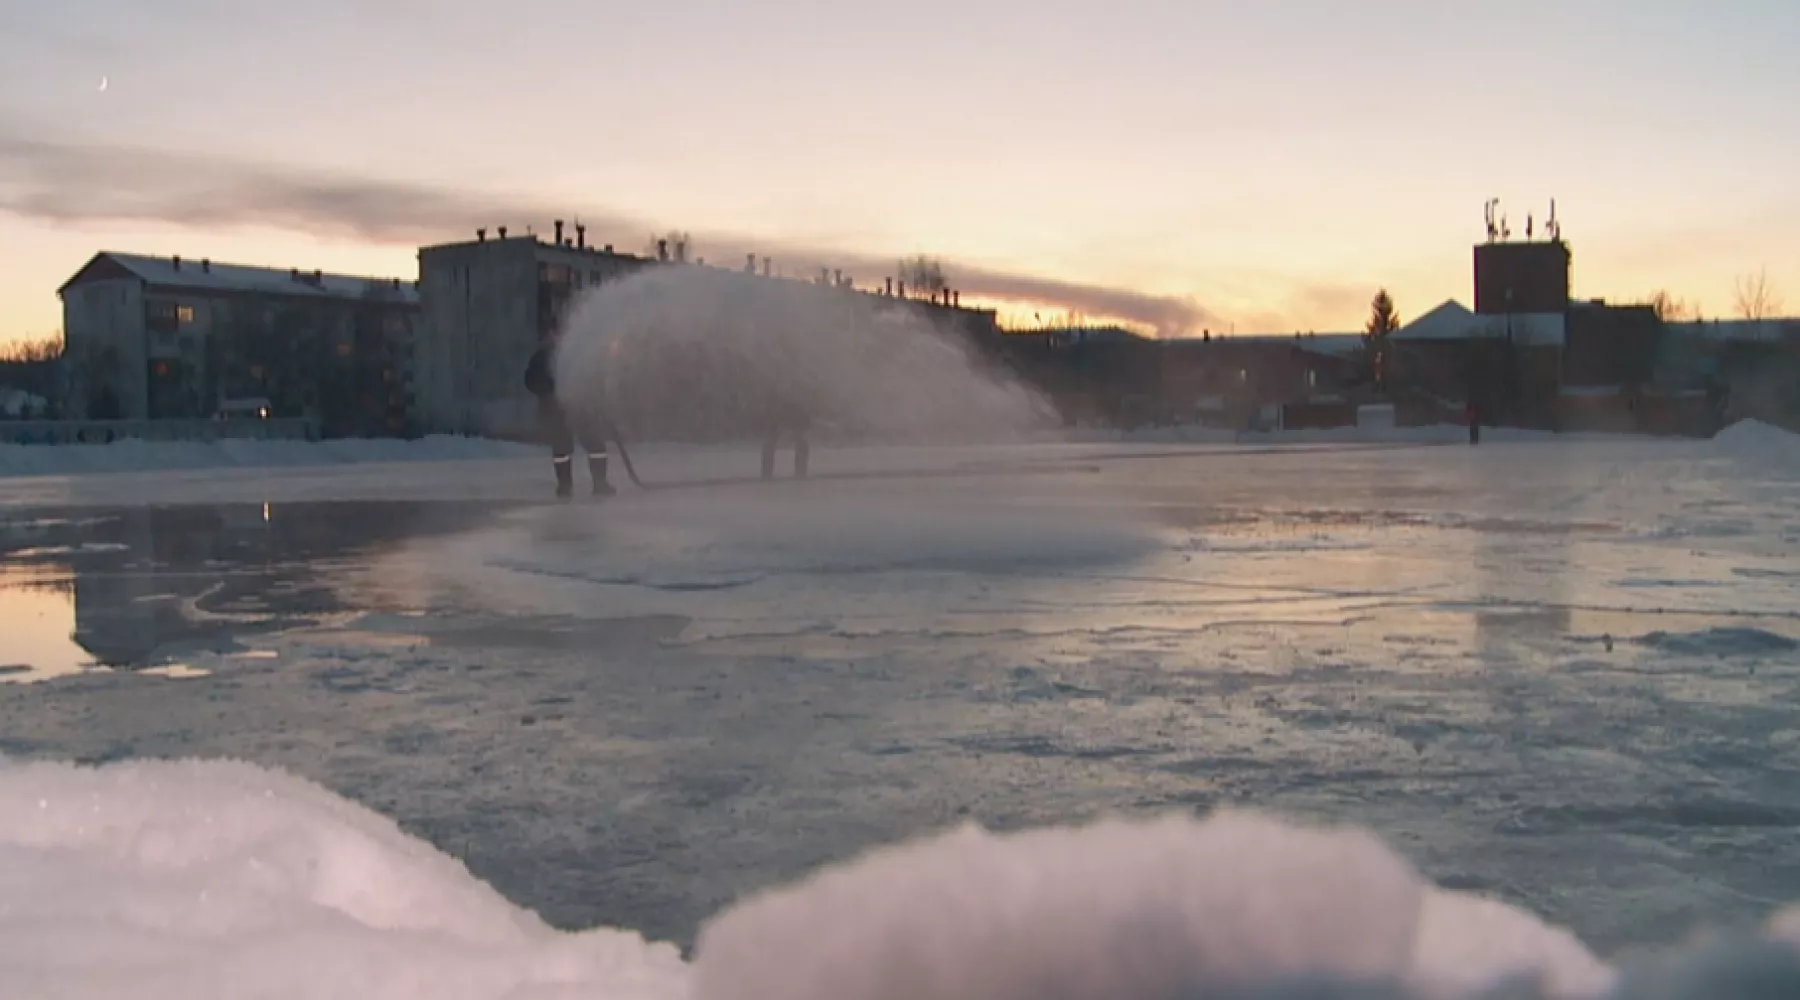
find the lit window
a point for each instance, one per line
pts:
(1243, 374)
(184, 314)
(1312, 378)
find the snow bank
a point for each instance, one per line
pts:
(221, 880)
(1429, 434)
(1175, 907)
(142, 456)
(198, 880)
(1756, 440)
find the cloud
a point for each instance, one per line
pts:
(67, 182)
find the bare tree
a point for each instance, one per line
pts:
(1755, 297)
(37, 349)
(1670, 309)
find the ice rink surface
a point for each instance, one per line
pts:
(1560, 673)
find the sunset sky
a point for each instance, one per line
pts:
(1257, 166)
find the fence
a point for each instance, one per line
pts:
(108, 431)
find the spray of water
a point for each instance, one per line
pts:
(696, 353)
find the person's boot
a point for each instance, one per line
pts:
(565, 477)
(597, 469)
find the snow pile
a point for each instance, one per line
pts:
(133, 455)
(196, 880)
(701, 353)
(1175, 907)
(1759, 442)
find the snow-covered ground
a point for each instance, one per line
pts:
(1562, 674)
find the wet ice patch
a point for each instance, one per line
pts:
(1171, 908)
(1720, 642)
(673, 553)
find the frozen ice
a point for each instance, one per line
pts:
(1553, 672)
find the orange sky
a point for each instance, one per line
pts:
(1210, 165)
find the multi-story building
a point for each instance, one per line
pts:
(488, 302)
(167, 337)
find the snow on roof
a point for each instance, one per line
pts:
(203, 274)
(1453, 321)
(1449, 321)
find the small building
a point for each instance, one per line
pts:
(151, 338)
(1507, 363)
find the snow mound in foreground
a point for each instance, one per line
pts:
(187, 879)
(132, 455)
(1176, 907)
(199, 880)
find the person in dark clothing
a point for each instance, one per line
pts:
(782, 416)
(553, 423)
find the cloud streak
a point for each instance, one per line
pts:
(66, 182)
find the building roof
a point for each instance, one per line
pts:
(1453, 321)
(200, 274)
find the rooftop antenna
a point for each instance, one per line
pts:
(1528, 225)
(1488, 209)
(1505, 229)
(1551, 226)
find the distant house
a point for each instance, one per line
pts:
(1503, 361)
(168, 337)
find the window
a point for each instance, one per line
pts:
(184, 315)
(1312, 378)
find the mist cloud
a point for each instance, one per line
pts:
(65, 182)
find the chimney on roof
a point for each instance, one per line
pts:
(956, 300)
(837, 277)
(559, 241)
(889, 290)
(206, 264)
(900, 289)
(768, 267)
(749, 263)
(501, 231)
(176, 260)
(580, 236)
(396, 284)
(318, 277)
(662, 249)
(608, 248)
(481, 235)
(293, 274)
(681, 251)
